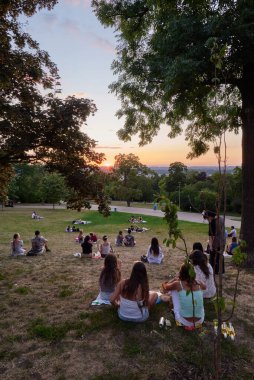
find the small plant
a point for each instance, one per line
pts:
(132, 349)
(39, 329)
(22, 290)
(65, 292)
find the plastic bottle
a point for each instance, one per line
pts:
(162, 322)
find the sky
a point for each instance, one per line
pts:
(83, 51)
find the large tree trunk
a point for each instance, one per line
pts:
(247, 225)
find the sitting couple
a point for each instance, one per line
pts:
(131, 296)
(39, 245)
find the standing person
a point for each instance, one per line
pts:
(105, 248)
(217, 240)
(204, 272)
(17, 248)
(119, 239)
(109, 277)
(183, 290)
(132, 296)
(39, 245)
(154, 253)
(87, 246)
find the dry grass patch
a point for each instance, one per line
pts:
(48, 330)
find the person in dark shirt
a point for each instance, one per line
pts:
(87, 246)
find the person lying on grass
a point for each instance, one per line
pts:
(132, 296)
(187, 297)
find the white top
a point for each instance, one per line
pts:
(105, 249)
(233, 233)
(209, 282)
(17, 248)
(152, 259)
(130, 309)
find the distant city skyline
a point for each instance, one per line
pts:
(83, 51)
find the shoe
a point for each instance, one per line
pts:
(48, 250)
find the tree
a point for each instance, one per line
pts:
(53, 188)
(25, 185)
(177, 175)
(35, 125)
(166, 74)
(127, 172)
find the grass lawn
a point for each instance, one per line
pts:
(48, 330)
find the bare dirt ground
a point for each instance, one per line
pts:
(48, 330)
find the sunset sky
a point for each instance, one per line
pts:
(83, 51)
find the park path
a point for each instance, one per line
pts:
(186, 216)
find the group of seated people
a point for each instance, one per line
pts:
(133, 298)
(39, 245)
(136, 220)
(81, 237)
(127, 240)
(72, 229)
(36, 216)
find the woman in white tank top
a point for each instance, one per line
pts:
(132, 296)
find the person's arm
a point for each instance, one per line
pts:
(161, 253)
(202, 285)
(115, 297)
(167, 286)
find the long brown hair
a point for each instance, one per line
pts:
(110, 274)
(187, 274)
(155, 246)
(138, 277)
(200, 259)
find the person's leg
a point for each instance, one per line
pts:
(152, 299)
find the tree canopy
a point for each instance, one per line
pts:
(37, 126)
(127, 172)
(187, 61)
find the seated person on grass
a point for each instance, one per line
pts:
(17, 248)
(105, 247)
(154, 253)
(119, 239)
(132, 296)
(232, 246)
(93, 237)
(39, 245)
(87, 247)
(109, 277)
(129, 239)
(181, 290)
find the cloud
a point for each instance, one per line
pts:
(71, 27)
(85, 3)
(108, 147)
(50, 19)
(101, 43)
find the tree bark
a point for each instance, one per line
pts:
(247, 224)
